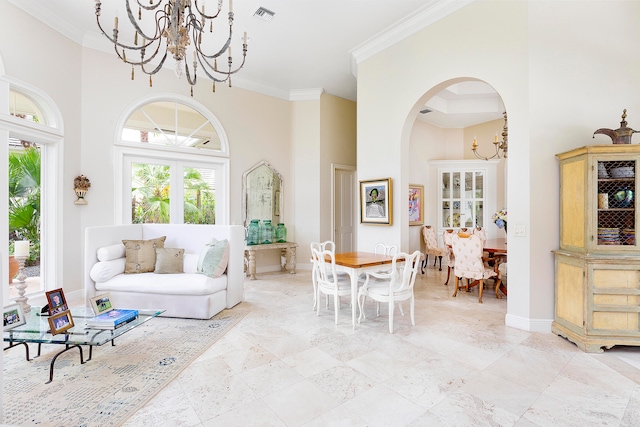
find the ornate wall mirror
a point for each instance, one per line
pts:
(262, 194)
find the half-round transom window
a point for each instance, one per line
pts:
(169, 123)
(24, 107)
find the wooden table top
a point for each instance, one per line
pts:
(361, 259)
(496, 245)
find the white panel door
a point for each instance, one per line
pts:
(344, 212)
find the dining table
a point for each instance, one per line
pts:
(354, 264)
(497, 248)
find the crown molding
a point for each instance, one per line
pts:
(260, 87)
(305, 94)
(431, 12)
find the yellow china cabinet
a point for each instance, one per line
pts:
(597, 267)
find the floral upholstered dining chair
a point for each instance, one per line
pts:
(469, 263)
(431, 247)
(449, 259)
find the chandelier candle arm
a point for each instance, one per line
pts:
(179, 28)
(500, 147)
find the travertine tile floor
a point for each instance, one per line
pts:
(459, 366)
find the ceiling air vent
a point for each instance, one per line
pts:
(425, 111)
(264, 14)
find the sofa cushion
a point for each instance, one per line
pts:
(141, 254)
(169, 260)
(109, 253)
(105, 270)
(190, 262)
(214, 258)
(165, 284)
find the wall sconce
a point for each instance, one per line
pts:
(80, 186)
(500, 147)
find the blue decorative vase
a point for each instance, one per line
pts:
(267, 232)
(253, 232)
(281, 233)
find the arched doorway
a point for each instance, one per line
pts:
(462, 189)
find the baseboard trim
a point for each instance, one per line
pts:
(531, 325)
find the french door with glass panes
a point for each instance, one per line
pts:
(466, 195)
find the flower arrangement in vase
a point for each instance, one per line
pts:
(500, 219)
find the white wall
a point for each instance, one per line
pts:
(258, 127)
(28, 56)
(485, 133)
(563, 69)
(428, 142)
(337, 146)
(306, 160)
(324, 134)
(93, 89)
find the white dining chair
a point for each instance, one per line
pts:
(393, 287)
(319, 247)
(384, 249)
(328, 282)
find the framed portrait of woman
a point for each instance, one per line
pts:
(376, 202)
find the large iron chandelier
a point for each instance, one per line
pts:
(499, 146)
(178, 25)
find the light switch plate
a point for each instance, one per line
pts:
(519, 230)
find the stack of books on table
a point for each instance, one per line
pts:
(112, 319)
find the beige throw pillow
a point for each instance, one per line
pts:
(169, 261)
(141, 254)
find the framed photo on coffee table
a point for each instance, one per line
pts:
(57, 302)
(60, 322)
(101, 303)
(12, 316)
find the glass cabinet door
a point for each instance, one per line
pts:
(462, 198)
(616, 202)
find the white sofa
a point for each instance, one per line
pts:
(188, 294)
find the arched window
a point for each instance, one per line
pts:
(172, 160)
(32, 135)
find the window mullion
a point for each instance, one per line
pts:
(177, 193)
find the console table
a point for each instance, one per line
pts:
(288, 250)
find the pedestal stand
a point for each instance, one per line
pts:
(21, 286)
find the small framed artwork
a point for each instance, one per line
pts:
(13, 316)
(101, 303)
(376, 202)
(60, 322)
(57, 302)
(416, 204)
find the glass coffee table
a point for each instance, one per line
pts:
(37, 330)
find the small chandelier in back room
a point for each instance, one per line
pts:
(178, 25)
(499, 146)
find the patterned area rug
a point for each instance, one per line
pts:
(118, 380)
